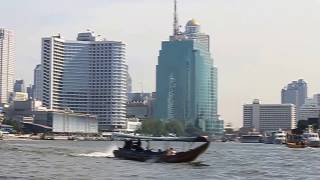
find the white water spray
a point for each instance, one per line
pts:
(107, 153)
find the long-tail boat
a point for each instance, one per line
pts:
(132, 149)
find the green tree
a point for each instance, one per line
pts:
(152, 127)
(192, 130)
(17, 126)
(175, 127)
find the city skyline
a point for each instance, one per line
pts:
(248, 38)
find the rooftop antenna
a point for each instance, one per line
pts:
(175, 20)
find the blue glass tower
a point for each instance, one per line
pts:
(186, 84)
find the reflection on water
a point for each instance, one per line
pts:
(88, 160)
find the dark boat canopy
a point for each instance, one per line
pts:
(148, 138)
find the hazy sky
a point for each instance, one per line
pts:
(258, 45)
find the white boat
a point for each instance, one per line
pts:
(252, 137)
(279, 137)
(311, 138)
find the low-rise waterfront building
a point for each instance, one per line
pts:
(36, 118)
(67, 121)
(18, 96)
(269, 117)
(133, 124)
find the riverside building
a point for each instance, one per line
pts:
(87, 75)
(7, 58)
(310, 109)
(295, 93)
(186, 79)
(269, 117)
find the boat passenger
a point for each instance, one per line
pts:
(137, 146)
(171, 152)
(127, 144)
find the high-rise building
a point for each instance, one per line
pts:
(295, 93)
(186, 84)
(310, 109)
(316, 98)
(139, 105)
(37, 82)
(269, 117)
(19, 86)
(88, 75)
(7, 58)
(30, 91)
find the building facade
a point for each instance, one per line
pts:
(269, 117)
(316, 98)
(88, 75)
(7, 58)
(19, 86)
(139, 105)
(310, 109)
(129, 83)
(186, 79)
(295, 93)
(67, 122)
(37, 82)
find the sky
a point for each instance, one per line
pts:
(259, 46)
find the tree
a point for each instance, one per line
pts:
(17, 126)
(192, 130)
(175, 126)
(152, 127)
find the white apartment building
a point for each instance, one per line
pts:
(7, 58)
(269, 117)
(86, 75)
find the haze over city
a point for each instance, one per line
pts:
(258, 46)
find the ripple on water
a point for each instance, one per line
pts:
(87, 160)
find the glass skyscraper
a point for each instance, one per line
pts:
(295, 93)
(186, 84)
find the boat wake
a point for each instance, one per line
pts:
(95, 154)
(108, 153)
(198, 164)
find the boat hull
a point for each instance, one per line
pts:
(296, 145)
(315, 144)
(146, 155)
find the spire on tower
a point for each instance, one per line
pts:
(175, 20)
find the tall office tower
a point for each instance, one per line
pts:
(186, 84)
(310, 109)
(88, 75)
(295, 93)
(7, 58)
(37, 82)
(19, 86)
(269, 117)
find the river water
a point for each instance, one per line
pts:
(93, 160)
